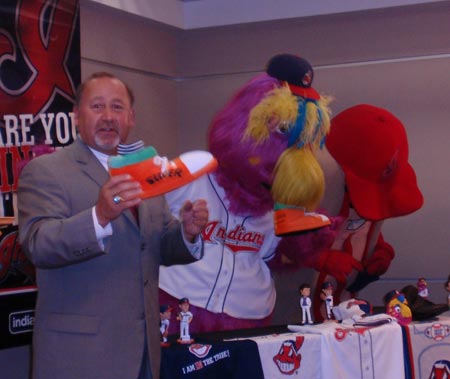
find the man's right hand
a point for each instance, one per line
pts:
(117, 194)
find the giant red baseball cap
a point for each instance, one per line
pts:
(371, 146)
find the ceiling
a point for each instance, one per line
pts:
(193, 14)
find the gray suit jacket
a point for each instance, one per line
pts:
(95, 307)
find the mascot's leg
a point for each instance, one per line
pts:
(204, 321)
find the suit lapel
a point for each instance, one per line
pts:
(91, 166)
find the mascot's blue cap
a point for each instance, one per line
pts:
(297, 72)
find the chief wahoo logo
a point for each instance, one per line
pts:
(288, 358)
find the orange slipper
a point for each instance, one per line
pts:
(294, 219)
(158, 175)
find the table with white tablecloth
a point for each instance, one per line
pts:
(330, 350)
(333, 350)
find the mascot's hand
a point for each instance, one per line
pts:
(302, 250)
(338, 263)
(380, 260)
(376, 265)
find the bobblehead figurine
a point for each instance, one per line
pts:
(397, 306)
(327, 298)
(305, 303)
(185, 318)
(261, 200)
(422, 287)
(165, 313)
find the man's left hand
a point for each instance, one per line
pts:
(194, 216)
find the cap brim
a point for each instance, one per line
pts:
(397, 196)
(307, 93)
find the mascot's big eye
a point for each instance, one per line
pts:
(283, 127)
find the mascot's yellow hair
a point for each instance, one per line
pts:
(282, 107)
(279, 105)
(299, 179)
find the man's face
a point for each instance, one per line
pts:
(104, 116)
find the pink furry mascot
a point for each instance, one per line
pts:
(261, 200)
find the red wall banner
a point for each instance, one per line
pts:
(39, 73)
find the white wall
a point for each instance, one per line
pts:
(192, 14)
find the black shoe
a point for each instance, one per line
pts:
(422, 309)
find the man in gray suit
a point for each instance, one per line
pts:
(97, 313)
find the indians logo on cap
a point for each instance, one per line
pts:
(307, 79)
(288, 358)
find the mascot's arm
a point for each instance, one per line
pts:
(380, 259)
(296, 251)
(374, 266)
(337, 263)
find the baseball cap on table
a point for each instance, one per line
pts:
(371, 146)
(297, 72)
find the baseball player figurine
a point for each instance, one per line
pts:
(327, 297)
(422, 286)
(305, 303)
(165, 312)
(185, 318)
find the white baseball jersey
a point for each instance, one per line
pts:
(232, 277)
(305, 305)
(305, 302)
(164, 326)
(290, 356)
(429, 348)
(366, 353)
(359, 352)
(185, 318)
